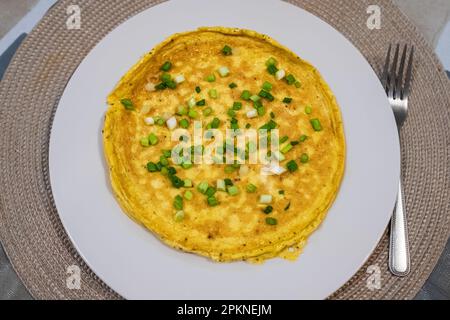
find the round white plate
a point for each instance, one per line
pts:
(129, 258)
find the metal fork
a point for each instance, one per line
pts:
(397, 84)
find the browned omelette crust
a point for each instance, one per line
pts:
(236, 229)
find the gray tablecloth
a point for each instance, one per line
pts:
(436, 287)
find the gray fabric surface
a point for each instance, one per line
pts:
(437, 286)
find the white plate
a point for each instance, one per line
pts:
(129, 258)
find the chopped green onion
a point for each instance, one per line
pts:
(191, 102)
(251, 188)
(298, 84)
(246, 95)
(166, 66)
(178, 202)
(227, 51)
(215, 124)
(182, 111)
(287, 100)
(234, 124)
(186, 165)
(268, 210)
(172, 171)
(165, 77)
(286, 148)
(151, 167)
(316, 124)
(290, 79)
(184, 123)
(281, 192)
(248, 126)
(308, 110)
(267, 86)
(211, 78)
(145, 142)
(233, 190)
(176, 182)
(228, 182)
(304, 158)
(261, 111)
(257, 104)
(223, 71)
(161, 86)
(187, 183)
(279, 156)
(232, 85)
(128, 104)
(164, 161)
(179, 216)
(164, 171)
(212, 201)
(202, 102)
(272, 69)
(160, 121)
(230, 169)
(153, 139)
(207, 111)
(210, 192)
(231, 113)
(255, 98)
(237, 106)
(221, 185)
(213, 93)
(303, 138)
(197, 89)
(167, 153)
(188, 195)
(271, 125)
(193, 114)
(271, 221)
(202, 187)
(284, 139)
(266, 95)
(292, 166)
(265, 199)
(294, 143)
(272, 115)
(271, 62)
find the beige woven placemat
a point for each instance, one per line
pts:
(31, 231)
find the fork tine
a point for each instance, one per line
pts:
(384, 77)
(399, 82)
(393, 73)
(407, 85)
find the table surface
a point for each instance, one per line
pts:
(431, 19)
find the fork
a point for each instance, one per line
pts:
(397, 84)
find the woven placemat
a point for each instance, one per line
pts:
(31, 231)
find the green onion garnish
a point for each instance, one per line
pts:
(233, 190)
(290, 79)
(232, 85)
(211, 78)
(237, 106)
(213, 93)
(234, 124)
(266, 95)
(269, 126)
(163, 160)
(228, 182)
(207, 111)
(172, 171)
(271, 221)
(193, 114)
(151, 167)
(202, 187)
(212, 201)
(284, 139)
(272, 115)
(128, 104)
(286, 148)
(272, 69)
(166, 66)
(178, 202)
(268, 210)
(184, 123)
(202, 102)
(197, 89)
(161, 86)
(308, 110)
(231, 113)
(251, 188)
(187, 183)
(186, 165)
(182, 111)
(287, 100)
(164, 171)
(281, 192)
(255, 98)
(160, 121)
(230, 169)
(292, 166)
(248, 126)
(153, 139)
(294, 143)
(176, 182)
(227, 51)
(144, 142)
(221, 186)
(165, 77)
(179, 216)
(267, 86)
(271, 62)
(261, 111)
(210, 192)
(215, 124)
(246, 95)
(167, 154)
(298, 84)
(304, 158)
(188, 195)
(316, 124)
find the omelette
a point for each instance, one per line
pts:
(222, 79)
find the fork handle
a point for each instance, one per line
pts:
(399, 262)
